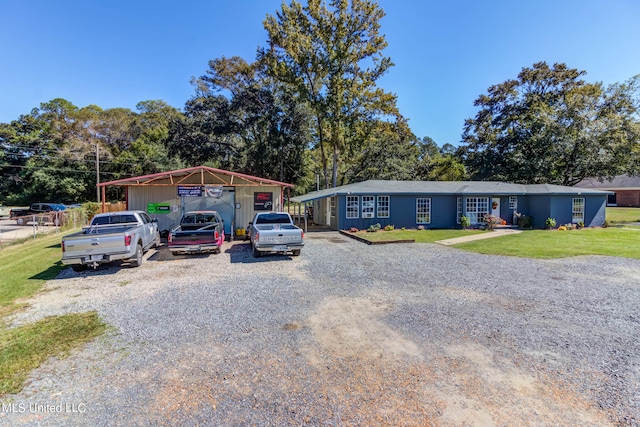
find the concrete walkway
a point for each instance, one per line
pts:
(488, 235)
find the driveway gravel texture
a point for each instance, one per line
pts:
(345, 334)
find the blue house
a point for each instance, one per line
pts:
(440, 204)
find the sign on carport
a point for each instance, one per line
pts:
(189, 190)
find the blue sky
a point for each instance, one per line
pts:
(117, 53)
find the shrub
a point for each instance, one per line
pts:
(91, 208)
(491, 221)
(465, 221)
(374, 228)
(389, 227)
(525, 221)
(580, 225)
(550, 223)
(569, 226)
(606, 224)
(403, 228)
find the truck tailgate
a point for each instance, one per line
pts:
(284, 235)
(89, 245)
(194, 237)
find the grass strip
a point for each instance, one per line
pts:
(617, 216)
(25, 268)
(617, 242)
(24, 348)
(420, 236)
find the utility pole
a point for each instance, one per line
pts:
(97, 172)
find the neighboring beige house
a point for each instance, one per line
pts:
(625, 187)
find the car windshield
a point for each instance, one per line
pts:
(113, 219)
(273, 218)
(199, 218)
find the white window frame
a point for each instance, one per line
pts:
(476, 207)
(423, 208)
(458, 209)
(351, 212)
(371, 209)
(513, 202)
(577, 210)
(384, 207)
(332, 206)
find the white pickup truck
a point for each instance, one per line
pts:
(275, 232)
(111, 236)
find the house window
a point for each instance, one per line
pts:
(513, 202)
(383, 206)
(458, 209)
(477, 208)
(577, 210)
(423, 210)
(353, 206)
(332, 204)
(368, 206)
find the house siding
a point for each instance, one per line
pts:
(538, 201)
(559, 207)
(402, 212)
(628, 198)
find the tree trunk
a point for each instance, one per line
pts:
(334, 177)
(323, 155)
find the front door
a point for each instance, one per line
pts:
(495, 207)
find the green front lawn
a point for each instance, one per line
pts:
(622, 215)
(420, 236)
(24, 269)
(618, 242)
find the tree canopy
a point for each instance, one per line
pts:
(50, 154)
(330, 53)
(550, 126)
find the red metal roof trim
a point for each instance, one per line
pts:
(138, 180)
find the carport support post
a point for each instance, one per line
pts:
(305, 217)
(288, 199)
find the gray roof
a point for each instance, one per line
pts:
(620, 182)
(493, 188)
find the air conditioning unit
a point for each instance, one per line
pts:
(367, 215)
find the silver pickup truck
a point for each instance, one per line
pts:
(275, 232)
(111, 237)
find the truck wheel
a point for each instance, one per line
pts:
(296, 252)
(78, 268)
(256, 253)
(20, 221)
(137, 259)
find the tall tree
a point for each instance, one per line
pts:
(550, 126)
(242, 119)
(332, 55)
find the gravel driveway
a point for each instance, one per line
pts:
(345, 334)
